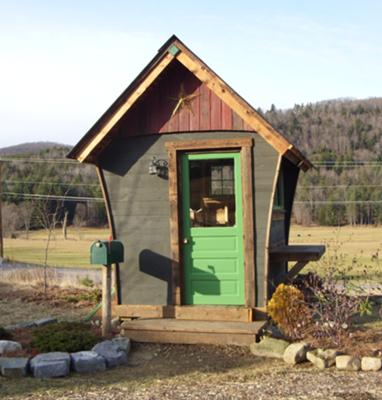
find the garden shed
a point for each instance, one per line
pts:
(199, 188)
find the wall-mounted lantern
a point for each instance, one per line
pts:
(158, 167)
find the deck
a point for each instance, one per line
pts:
(171, 330)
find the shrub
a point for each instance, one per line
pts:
(4, 335)
(288, 310)
(64, 336)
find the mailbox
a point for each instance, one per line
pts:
(106, 252)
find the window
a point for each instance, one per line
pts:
(222, 182)
(279, 195)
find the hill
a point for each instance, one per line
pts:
(343, 138)
(33, 147)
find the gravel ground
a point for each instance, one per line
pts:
(189, 372)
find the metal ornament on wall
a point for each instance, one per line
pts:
(158, 167)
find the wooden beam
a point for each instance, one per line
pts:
(203, 144)
(294, 270)
(248, 222)
(174, 226)
(232, 99)
(134, 96)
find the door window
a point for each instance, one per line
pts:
(212, 192)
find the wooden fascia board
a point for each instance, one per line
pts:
(238, 104)
(120, 112)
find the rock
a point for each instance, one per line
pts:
(112, 353)
(21, 325)
(123, 343)
(8, 346)
(295, 353)
(115, 323)
(322, 358)
(13, 367)
(45, 321)
(50, 365)
(87, 361)
(269, 347)
(371, 364)
(348, 363)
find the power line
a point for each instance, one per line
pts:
(318, 202)
(337, 186)
(34, 160)
(53, 197)
(51, 183)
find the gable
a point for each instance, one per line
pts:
(179, 102)
(171, 53)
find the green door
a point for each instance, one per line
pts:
(212, 229)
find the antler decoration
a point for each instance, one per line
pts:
(183, 100)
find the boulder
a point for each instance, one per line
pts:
(371, 364)
(295, 353)
(45, 321)
(87, 361)
(13, 367)
(322, 358)
(269, 347)
(112, 353)
(123, 343)
(50, 365)
(348, 363)
(9, 346)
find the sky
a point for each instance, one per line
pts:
(62, 63)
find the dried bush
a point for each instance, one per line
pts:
(4, 334)
(289, 311)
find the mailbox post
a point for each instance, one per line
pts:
(106, 253)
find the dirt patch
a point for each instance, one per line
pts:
(21, 303)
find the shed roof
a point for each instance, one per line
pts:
(87, 149)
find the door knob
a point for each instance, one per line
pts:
(185, 241)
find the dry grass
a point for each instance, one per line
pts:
(354, 248)
(72, 252)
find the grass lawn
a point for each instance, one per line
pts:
(72, 252)
(355, 249)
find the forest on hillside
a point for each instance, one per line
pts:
(41, 187)
(343, 138)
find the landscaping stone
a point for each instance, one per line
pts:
(8, 346)
(295, 353)
(13, 367)
(87, 361)
(50, 365)
(123, 343)
(112, 353)
(371, 364)
(269, 347)
(45, 321)
(348, 363)
(21, 325)
(322, 358)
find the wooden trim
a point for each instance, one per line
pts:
(110, 220)
(269, 227)
(245, 147)
(294, 271)
(248, 223)
(193, 313)
(203, 144)
(233, 100)
(120, 112)
(174, 226)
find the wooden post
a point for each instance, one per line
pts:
(65, 225)
(106, 300)
(1, 221)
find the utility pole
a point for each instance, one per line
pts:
(1, 220)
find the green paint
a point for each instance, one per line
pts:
(213, 257)
(173, 50)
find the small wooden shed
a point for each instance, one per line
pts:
(199, 188)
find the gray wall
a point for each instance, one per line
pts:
(140, 210)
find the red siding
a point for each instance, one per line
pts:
(153, 113)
